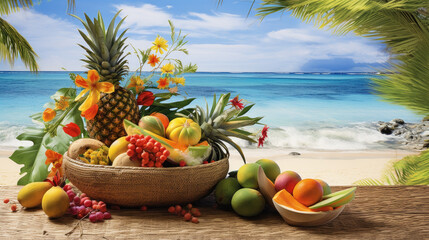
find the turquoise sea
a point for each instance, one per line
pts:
(311, 110)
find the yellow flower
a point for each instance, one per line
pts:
(136, 82)
(178, 80)
(62, 104)
(167, 68)
(159, 44)
(94, 87)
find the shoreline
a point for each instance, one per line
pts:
(335, 167)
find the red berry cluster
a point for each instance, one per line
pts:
(191, 214)
(145, 149)
(82, 206)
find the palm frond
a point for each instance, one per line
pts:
(10, 6)
(411, 170)
(14, 45)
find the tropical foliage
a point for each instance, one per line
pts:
(12, 43)
(411, 170)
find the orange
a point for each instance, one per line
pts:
(308, 191)
(162, 117)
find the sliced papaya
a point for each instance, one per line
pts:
(337, 199)
(284, 198)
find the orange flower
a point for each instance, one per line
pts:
(163, 83)
(137, 83)
(62, 104)
(94, 87)
(153, 60)
(90, 113)
(57, 160)
(49, 114)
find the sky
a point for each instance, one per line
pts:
(220, 38)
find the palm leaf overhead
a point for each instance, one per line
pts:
(12, 43)
(400, 24)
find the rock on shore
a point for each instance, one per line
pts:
(414, 135)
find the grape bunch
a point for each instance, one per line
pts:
(82, 206)
(145, 149)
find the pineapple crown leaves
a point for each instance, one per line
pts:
(106, 50)
(219, 125)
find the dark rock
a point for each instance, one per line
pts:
(398, 121)
(385, 129)
(294, 153)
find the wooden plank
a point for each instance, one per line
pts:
(388, 212)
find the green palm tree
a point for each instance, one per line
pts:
(12, 43)
(403, 26)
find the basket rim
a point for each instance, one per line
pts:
(149, 169)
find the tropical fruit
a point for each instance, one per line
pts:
(247, 175)
(164, 119)
(123, 160)
(284, 198)
(106, 54)
(271, 169)
(98, 156)
(184, 131)
(336, 199)
(119, 146)
(248, 202)
(287, 180)
(325, 186)
(55, 202)
(225, 189)
(80, 146)
(192, 155)
(308, 191)
(152, 124)
(31, 194)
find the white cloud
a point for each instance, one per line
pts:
(296, 35)
(148, 15)
(53, 39)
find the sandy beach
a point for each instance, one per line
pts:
(335, 167)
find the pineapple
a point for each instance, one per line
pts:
(106, 55)
(218, 125)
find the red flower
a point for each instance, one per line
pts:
(163, 83)
(145, 98)
(90, 113)
(72, 129)
(261, 142)
(264, 132)
(237, 103)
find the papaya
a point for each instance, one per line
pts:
(284, 198)
(192, 155)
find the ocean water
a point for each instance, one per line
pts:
(303, 111)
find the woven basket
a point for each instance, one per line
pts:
(137, 186)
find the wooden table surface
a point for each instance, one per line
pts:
(388, 212)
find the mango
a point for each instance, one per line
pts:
(31, 194)
(248, 202)
(271, 169)
(55, 202)
(225, 189)
(325, 186)
(119, 146)
(287, 180)
(247, 175)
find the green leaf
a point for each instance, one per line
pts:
(245, 110)
(33, 157)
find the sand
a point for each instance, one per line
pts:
(335, 167)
